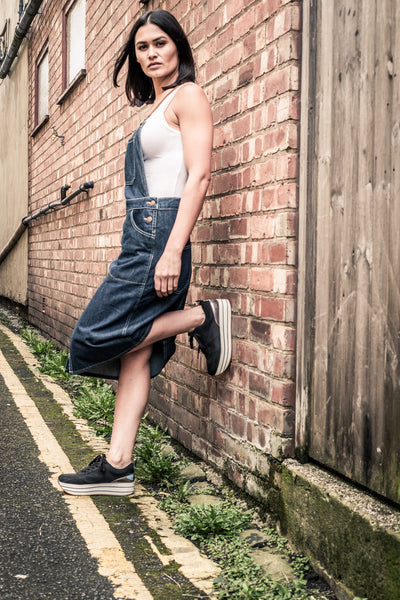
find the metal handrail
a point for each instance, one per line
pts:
(65, 199)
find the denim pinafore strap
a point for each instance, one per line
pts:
(121, 313)
(135, 179)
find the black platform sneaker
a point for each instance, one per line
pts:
(214, 335)
(99, 479)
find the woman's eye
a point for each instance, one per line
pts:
(159, 44)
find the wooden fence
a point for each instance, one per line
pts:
(348, 373)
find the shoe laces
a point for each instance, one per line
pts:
(201, 346)
(97, 463)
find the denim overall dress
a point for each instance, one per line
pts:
(120, 314)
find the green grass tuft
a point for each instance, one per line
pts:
(205, 520)
(156, 462)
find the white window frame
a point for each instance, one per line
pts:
(74, 34)
(43, 87)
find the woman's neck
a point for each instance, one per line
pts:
(160, 84)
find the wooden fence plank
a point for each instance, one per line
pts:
(323, 185)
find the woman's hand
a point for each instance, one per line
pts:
(166, 274)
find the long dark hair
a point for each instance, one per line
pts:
(138, 87)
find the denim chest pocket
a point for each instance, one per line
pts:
(130, 166)
(144, 221)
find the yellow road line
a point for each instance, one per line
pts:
(99, 539)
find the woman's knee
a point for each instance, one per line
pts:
(138, 357)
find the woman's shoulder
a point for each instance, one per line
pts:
(190, 94)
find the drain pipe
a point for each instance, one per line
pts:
(21, 30)
(84, 187)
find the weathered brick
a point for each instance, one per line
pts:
(239, 228)
(247, 353)
(270, 308)
(283, 393)
(262, 226)
(260, 331)
(237, 425)
(261, 279)
(283, 337)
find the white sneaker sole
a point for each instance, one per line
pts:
(225, 335)
(99, 489)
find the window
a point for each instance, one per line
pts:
(73, 46)
(43, 88)
(75, 34)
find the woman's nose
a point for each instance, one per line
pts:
(152, 51)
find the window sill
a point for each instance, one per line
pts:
(40, 125)
(77, 79)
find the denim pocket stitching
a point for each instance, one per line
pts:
(124, 280)
(149, 235)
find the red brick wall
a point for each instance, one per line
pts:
(247, 54)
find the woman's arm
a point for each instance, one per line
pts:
(192, 113)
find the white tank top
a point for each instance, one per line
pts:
(164, 165)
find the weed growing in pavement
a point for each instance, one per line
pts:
(95, 402)
(197, 522)
(300, 565)
(52, 361)
(242, 579)
(275, 540)
(156, 461)
(93, 399)
(178, 492)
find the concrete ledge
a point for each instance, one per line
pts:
(352, 538)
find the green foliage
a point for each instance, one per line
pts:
(52, 361)
(176, 495)
(156, 463)
(275, 540)
(242, 579)
(95, 402)
(93, 399)
(180, 492)
(152, 434)
(199, 521)
(29, 336)
(300, 565)
(183, 491)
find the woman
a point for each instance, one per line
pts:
(127, 332)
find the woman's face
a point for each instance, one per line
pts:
(156, 53)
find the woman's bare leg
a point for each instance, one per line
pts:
(134, 382)
(130, 404)
(173, 323)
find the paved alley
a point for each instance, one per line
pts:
(59, 547)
